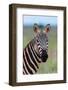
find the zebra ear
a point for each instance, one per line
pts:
(47, 28)
(36, 28)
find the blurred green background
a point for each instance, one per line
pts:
(51, 65)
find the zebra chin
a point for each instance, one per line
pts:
(44, 56)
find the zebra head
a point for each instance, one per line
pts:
(41, 41)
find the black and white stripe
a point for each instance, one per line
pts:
(39, 46)
(30, 60)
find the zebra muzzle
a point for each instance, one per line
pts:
(44, 56)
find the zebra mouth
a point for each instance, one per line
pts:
(44, 56)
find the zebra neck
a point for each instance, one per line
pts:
(31, 60)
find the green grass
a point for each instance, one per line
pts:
(51, 65)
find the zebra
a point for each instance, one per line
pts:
(36, 51)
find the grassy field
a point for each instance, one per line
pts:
(51, 65)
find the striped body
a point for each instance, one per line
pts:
(31, 58)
